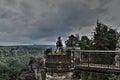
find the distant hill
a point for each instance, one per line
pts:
(35, 49)
(48, 46)
(21, 46)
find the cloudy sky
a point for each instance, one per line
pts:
(41, 21)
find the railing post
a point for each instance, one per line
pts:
(88, 59)
(117, 58)
(78, 55)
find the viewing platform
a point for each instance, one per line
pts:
(80, 60)
(59, 63)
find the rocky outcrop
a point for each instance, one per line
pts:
(32, 71)
(26, 74)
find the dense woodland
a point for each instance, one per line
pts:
(14, 58)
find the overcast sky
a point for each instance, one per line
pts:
(41, 21)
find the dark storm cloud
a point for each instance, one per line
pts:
(36, 20)
(11, 1)
(26, 10)
(69, 15)
(49, 32)
(6, 14)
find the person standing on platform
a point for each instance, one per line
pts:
(59, 46)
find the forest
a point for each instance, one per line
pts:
(14, 58)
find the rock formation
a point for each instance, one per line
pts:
(33, 70)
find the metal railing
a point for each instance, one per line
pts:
(98, 58)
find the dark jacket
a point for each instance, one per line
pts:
(59, 43)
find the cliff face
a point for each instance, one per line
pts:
(26, 74)
(35, 71)
(32, 71)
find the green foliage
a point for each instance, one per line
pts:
(112, 78)
(11, 63)
(72, 41)
(85, 43)
(97, 76)
(104, 36)
(86, 76)
(7, 73)
(10, 66)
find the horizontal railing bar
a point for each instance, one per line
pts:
(101, 51)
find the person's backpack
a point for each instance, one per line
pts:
(59, 44)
